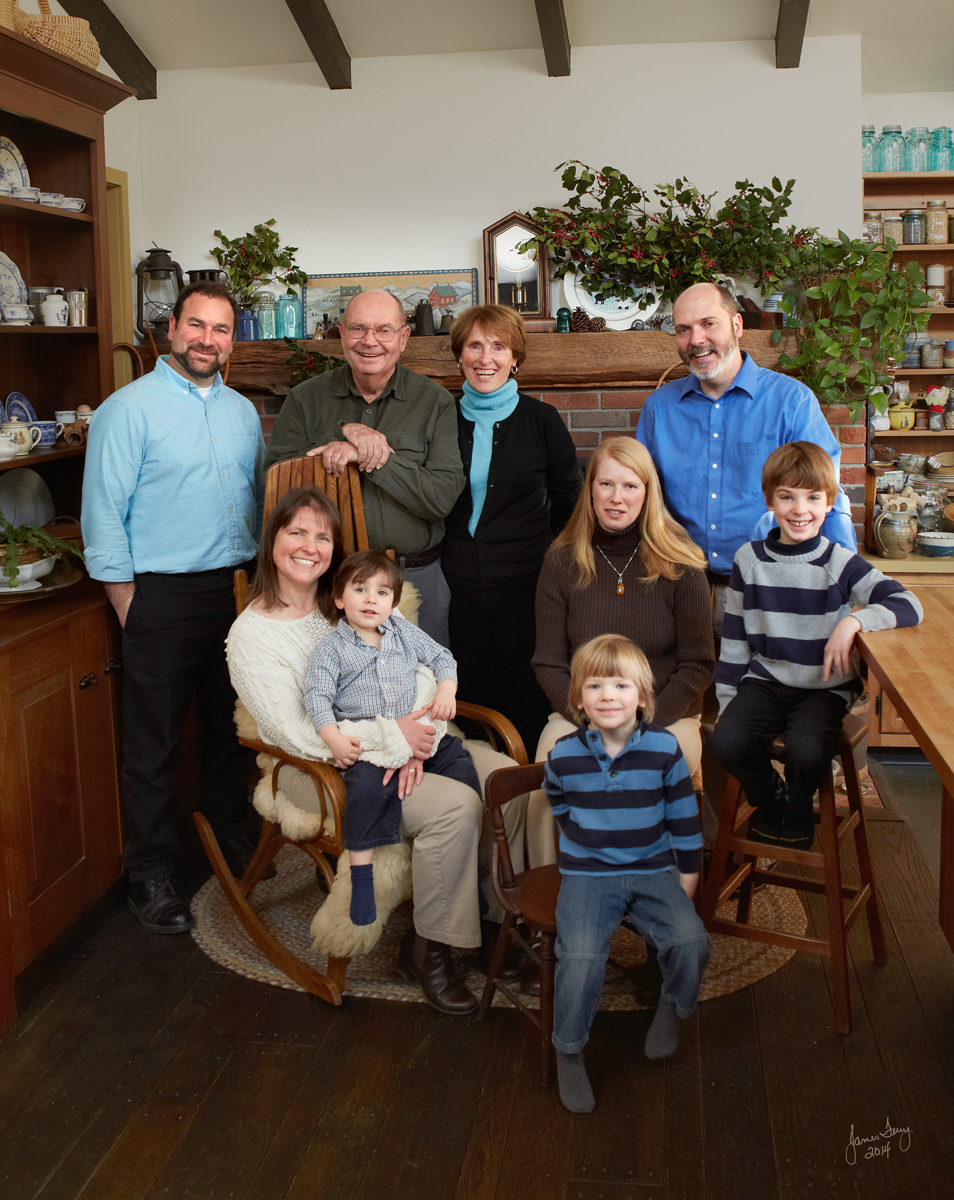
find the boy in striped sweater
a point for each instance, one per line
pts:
(630, 846)
(795, 602)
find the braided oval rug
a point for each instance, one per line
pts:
(287, 903)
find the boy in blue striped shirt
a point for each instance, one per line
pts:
(630, 846)
(794, 604)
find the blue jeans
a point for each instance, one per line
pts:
(589, 910)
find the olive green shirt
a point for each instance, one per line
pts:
(406, 500)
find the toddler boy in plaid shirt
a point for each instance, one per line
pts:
(366, 668)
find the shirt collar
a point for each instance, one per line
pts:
(593, 738)
(395, 386)
(171, 376)
(746, 380)
(773, 542)
(354, 638)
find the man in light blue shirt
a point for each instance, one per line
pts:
(710, 433)
(172, 501)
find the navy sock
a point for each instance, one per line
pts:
(363, 909)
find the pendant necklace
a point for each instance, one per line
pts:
(620, 588)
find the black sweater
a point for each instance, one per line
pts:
(532, 486)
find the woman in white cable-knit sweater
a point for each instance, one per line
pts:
(269, 646)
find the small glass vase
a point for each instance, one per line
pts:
(288, 317)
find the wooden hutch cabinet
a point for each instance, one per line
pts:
(60, 838)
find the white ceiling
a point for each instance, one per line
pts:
(906, 47)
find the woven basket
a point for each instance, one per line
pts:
(66, 35)
(8, 9)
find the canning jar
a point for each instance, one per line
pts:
(942, 149)
(915, 231)
(872, 231)
(917, 155)
(893, 227)
(869, 148)
(891, 149)
(935, 222)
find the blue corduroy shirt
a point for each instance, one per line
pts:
(633, 813)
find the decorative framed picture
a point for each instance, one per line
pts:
(520, 279)
(447, 291)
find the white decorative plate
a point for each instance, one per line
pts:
(19, 408)
(11, 284)
(24, 498)
(618, 314)
(12, 166)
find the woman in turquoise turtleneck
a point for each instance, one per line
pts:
(523, 479)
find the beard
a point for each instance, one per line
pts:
(725, 356)
(195, 368)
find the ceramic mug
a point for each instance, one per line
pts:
(64, 416)
(25, 436)
(49, 431)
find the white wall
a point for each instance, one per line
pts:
(909, 109)
(407, 168)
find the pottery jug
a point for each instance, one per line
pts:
(894, 534)
(24, 436)
(55, 310)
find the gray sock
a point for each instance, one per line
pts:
(663, 1036)
(575, 1090)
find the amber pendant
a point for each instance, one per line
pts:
(620, 589)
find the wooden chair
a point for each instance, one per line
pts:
(723, 879)
(529, 897)
(329, 786)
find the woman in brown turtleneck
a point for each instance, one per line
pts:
(622, 565)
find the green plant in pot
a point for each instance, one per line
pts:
(256, 261)
(24, 544)
(853, 314)
(622, 248)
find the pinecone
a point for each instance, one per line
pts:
(579, 322)
(597, 324)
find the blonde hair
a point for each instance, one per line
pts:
(664, 549)
(608, 655)
(799, 465)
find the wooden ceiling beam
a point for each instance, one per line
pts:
(790, 32)
(324, 41)
(551, 18)
(116, 46)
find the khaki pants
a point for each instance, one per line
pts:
(543, 831)
(451, 849)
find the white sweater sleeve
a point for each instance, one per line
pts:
(267, 663)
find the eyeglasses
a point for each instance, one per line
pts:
(384, 333)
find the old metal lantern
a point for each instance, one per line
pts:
(520, 279)
(158, 283)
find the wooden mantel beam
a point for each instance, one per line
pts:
(324, 41)
(553, 32)
(116, 46)
(790, 32)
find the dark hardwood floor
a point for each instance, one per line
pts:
(139, 1069)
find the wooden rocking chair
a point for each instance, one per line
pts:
(329, 786)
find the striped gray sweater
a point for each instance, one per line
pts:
(782, 604)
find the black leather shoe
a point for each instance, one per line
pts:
(489, 932)
(237, 850)
(430, 964)
(159, 909)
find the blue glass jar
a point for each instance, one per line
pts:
(942, 150)
(891, 149)
(918, 151)
(288, 318)
(247, 326)
(869, 148)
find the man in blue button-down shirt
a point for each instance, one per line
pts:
(172, 499)
(710, 433)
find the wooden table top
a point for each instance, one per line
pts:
(916, 669)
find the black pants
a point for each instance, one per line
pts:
(811, 720)
(492, 636)
(174, 649)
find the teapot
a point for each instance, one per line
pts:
(894, 533)
(24, 436)
(8, 447)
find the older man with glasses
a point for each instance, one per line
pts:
(400, 428)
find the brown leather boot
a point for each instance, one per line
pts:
(430, 964)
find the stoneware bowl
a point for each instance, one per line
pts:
(26, 193)
(34, 570)
(936, 545)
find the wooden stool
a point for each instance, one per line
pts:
(722, 880)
